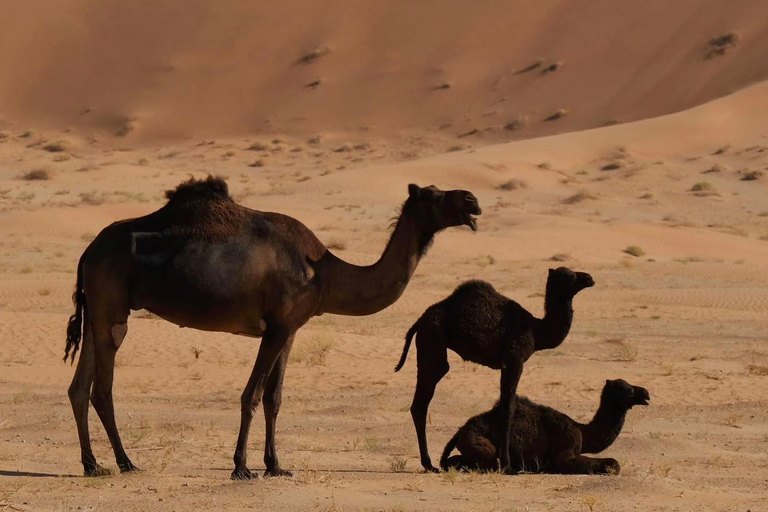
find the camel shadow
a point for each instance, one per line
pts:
(32, 474)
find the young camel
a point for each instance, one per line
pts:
(202, 261)
(485, 327)
(545, 440)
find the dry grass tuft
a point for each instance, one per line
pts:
(560, 256)
(335, 243)
(621, 350)
(761, 371)
(702, 186)
(313, 352)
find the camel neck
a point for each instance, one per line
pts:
(602, 431)
(550, 331)
(363, 290)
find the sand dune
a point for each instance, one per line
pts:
(148, 69)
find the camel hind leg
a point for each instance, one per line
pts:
(108, 336)
(79, 392)
(432, 362)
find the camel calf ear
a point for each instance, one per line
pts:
(414, 191)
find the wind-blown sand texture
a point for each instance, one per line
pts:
(103, 119)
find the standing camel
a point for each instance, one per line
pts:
(202, 261)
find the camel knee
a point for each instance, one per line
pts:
(249, 404)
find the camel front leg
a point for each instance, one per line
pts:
(510, 377)
(273, 397)
(581, 465)
(272, 344)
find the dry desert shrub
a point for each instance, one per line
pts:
(513, 184)
(312, 56)
(518, 123)
(720, 45)
(36, 175)
(634, 250)
(530, 67)
(557, 114)
(578, 197)
(56, 147)
(751, 175)
(257, 146)
(616, 164)
(717, 168)
(552, 68)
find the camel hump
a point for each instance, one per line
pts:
(210, 187)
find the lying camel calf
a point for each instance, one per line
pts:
(545, 440)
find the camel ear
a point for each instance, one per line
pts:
(551, 271)
(414, 191)
(607, 381)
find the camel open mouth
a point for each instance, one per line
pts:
(471, 221)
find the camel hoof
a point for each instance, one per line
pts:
(277, 472)
(128, 467)
(431, 469)
(244, 474)
(97, 471)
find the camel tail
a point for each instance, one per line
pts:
(444, 462)
(75, 325)
(408, 338)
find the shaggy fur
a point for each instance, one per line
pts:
(545, 440)
(484, 327)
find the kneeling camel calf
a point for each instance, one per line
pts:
(545, 440)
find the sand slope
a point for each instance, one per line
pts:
(163, 68)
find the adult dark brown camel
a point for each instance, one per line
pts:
(202, 261)
(487, 328)
(545, 440)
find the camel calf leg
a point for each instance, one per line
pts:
(432, 362)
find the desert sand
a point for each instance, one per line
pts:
(104, 105)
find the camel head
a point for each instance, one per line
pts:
(624, 395)
(436, 209)
(566, 283)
